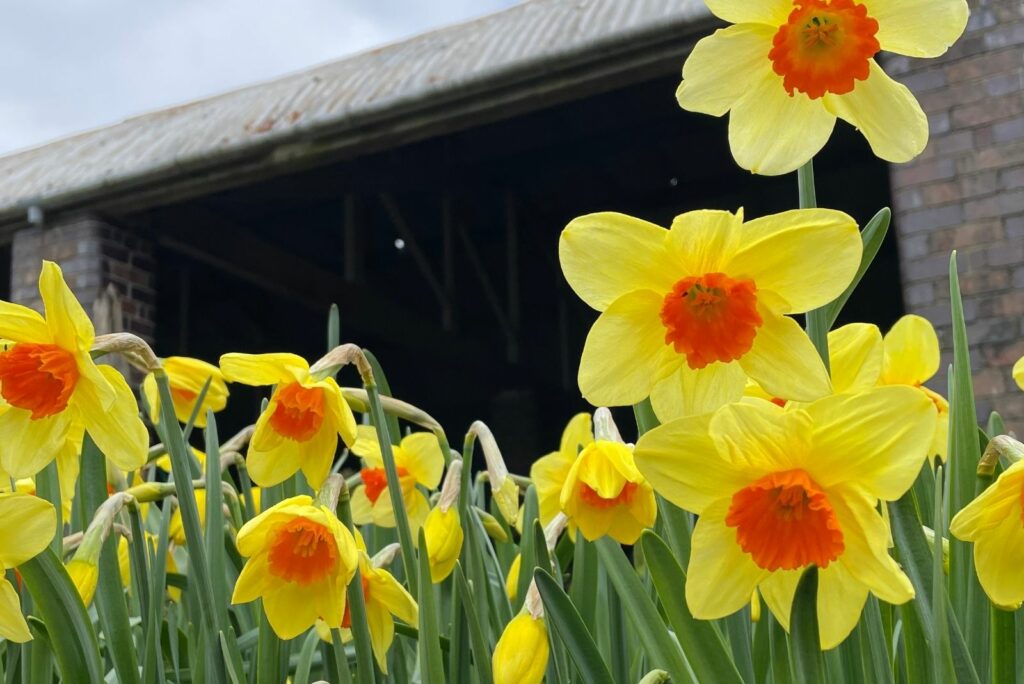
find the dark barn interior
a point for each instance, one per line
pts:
(442, 253)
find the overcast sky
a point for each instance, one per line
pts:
(71, 65)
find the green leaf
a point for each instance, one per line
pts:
(942, 654)
(874, 645)
(964, 452)
(477, 640)
(702, 644)
(431, 662)
(872, 238)
(214, 537)
(305, 664)
(803, 627)
(1003, 667)
(662, 650)
(566, 623)
(527, 553)
(57, 602)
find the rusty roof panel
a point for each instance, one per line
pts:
(329, 96)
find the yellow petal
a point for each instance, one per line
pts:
(578, 433)
(771, 132)
(911, 352)
(841, 600)
(12, 623)
(683, 464)
(254, 580)
(722, 67)
(521, 654)
(117, 430)
(771, 12)
(605, 256)
(362, 509)
(997, 503)
(625, 353)
(701, 241)
(999, 557)
(382, 632)
(689, 392)
(29, 445)
(866, 540)
(424, 461)
(782, 254)
(27, 524)
(548, 474)
(918, 28)
(721, 577)
(277, 463)
(292, 608)
(152, 396)
(367, 447)
(444, 537)
(21, 324)
(341, 413)
(778, 591)
(390, 593)
(855, 357)
(784, 362)
(263, 369)
(69, 325)
(759, 438)
(876, 440)
(319, 452)
(1018, 372)
(887, 113)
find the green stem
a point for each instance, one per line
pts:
(817, 320)
(356, 601)
(394, 487)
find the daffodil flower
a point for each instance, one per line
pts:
(787, 69)
(688, 313)
(299, 430)
(418, 461)
(300, 562)
(27, 525)
(779, 490)
(994, 522)
(187, 377)
(55, 392)
(604, 494)
(912, 358)
(549, 472)
(443, 529)
(1018, 372)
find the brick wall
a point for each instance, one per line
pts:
(966, 192)
(99, 260)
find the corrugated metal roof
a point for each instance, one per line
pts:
(305, 105)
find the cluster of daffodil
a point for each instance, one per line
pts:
(804, 467)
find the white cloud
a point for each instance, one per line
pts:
(70, 65)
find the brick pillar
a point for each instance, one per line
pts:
(110, 270)
(966, 192)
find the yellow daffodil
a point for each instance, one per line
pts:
(419, 462)
(385, 599)
(855, 354)
(27, 525)
(779, 490)
(912, 358)
(787, 69)
(300, 561)
(688, 313)
(300, 428)
(1018, 372)
(187, 377)
(55, 391)
(548, 473)
(604, 494)
(994, 522)
(521, 654)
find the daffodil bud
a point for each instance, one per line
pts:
(84, 575)
(755, 607)
(512, 579)
(503, 488)
(521, 655)
(491, 525)
(443, 533)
